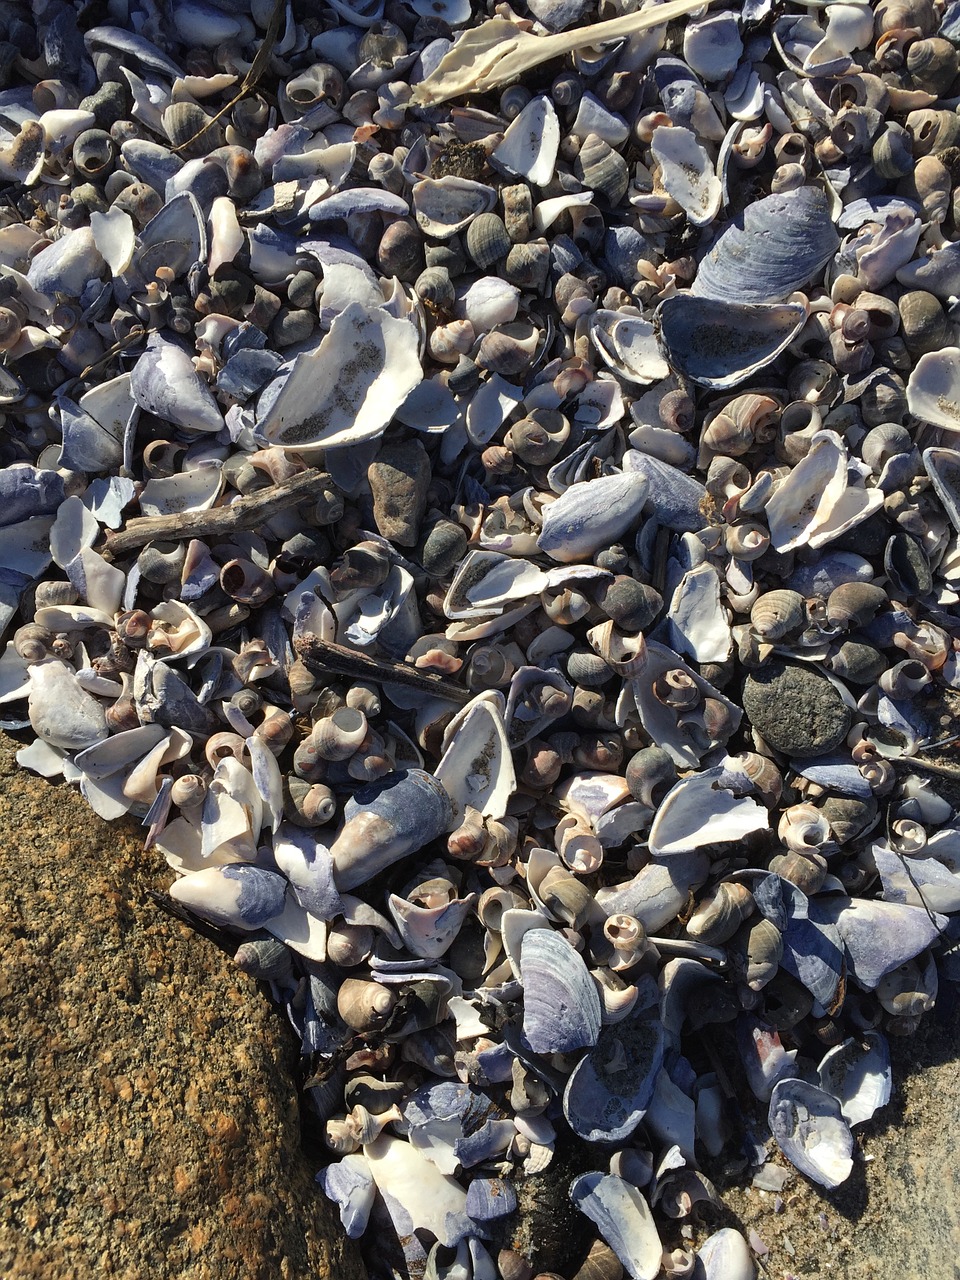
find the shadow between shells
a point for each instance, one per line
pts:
(481, 486)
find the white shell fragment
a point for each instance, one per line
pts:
(933, 388)
(347, 389)
(61, 712)
(811, 1132)
(591, 514)
(687, 174)
(530, 144)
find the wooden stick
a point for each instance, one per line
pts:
(332, 659)
(246, 513)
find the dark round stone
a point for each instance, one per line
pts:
(795, 710)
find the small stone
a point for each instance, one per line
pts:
(399, 478)
(795, 710)
(301, 289)
(443, 548)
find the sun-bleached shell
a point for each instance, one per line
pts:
(348, 387)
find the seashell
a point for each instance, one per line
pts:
(61, 712)
(855, 604)
(712, 46)
(725, 1255)
(601, 1263)
(509, 349)
(933, 63)
(906, 567)
(923, 322)
(932, 393)
(538, 438)
(364, 1005)
(776, 246)
(561, 1008)
(802, 867)
(591, 514)
(264, 959)
(444, 206)
(601, 169)
(763, 947)
(190, 130)
(320, 83)
(632, 605)
(486, 240)
(238, 896)
(858, 1076)
(429, 918)
(386, 821)
(565, 897)
(802, 828)
(777, 614)
(719, 915)
(695, 813)
(687, 176)
(530, 143)
(719, 343)
(650, 774)
(93, 153)
(338, 736)
(628, 345)
(811, 1132)
(346, 389)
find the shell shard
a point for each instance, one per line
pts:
(62, 714)
(166, 384)
(623, 1218)
(417, 1194)
(698, 812)
(237, 896)
(348, 387)
(718, 343)
(530, 144)
(858, 1075)
(880, 936)
(933, 388)
(687, 175)
(386, 821)
(476, 769)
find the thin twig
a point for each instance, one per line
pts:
(333, 659)
(246, 513)
(251, 79)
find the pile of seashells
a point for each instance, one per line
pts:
(479, 484)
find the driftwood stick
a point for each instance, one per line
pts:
(245, 513)
(333, 659)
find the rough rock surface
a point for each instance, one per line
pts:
(150, 1124)
(797, 711)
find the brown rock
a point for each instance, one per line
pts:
(150, 1122)
(399, 479)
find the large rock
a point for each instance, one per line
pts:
(795, 709)
(150, 1122)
